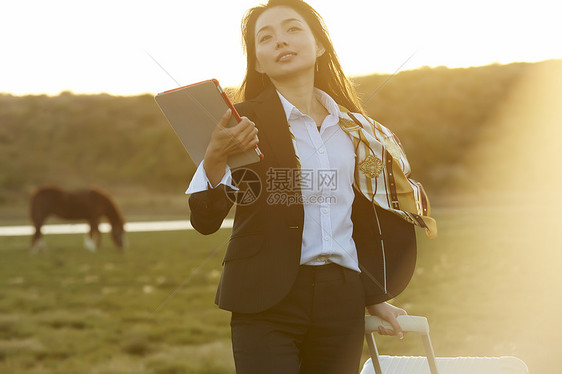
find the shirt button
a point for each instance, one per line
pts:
(324, 210)
(321, 150)
(326, 238)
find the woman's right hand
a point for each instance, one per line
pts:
(226, 141)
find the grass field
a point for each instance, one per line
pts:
(488, 284)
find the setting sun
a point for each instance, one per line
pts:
(102, 46)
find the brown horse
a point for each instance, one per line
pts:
(90, 205)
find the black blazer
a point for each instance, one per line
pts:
(263, 255)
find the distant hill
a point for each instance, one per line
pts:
(439, 113)
(125, 143)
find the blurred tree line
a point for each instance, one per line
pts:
(126, 143)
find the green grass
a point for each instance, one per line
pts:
(488, 284)
(66, 310)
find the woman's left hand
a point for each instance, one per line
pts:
(388, 313)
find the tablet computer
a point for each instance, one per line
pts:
(193, 111)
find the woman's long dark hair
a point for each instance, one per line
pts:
(329, 75)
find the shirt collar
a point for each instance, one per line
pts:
(331, 106)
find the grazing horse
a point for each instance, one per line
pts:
(90, 205)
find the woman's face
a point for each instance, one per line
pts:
(285, 45)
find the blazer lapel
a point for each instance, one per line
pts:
(274, 128)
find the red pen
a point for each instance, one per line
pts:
(236, 115)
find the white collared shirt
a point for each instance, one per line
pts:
(327, 160)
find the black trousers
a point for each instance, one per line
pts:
(318, 328)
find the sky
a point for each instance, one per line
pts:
(111, 46)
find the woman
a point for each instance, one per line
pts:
(322, 240)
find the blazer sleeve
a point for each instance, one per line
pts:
(209, 208)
